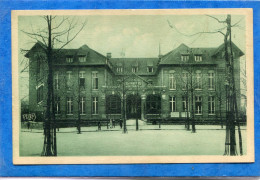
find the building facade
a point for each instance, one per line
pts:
(92, 86)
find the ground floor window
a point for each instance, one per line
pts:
(39, 93)
(113, 104)
(57, 105)
(172, 103)
(185, 104)
(211, 104)
(94, 105)
(198, 105)
(153, 104)
(69, 105)
(82, 105)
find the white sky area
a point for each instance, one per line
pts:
(136, 36)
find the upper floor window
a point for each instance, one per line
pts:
(185, 58)
(172, 81)
(56, 81)
(69, 59)
(150, 69)
(94, 80)
(134, 69)
(184, 80)
(82, 79)
(198, 58)
(172, 103)
(211, 80)
(198, 80)
(69, 80)
(82, 58)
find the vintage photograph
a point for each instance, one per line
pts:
(132, 86)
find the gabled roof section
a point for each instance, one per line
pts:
(222, 47)
(208, 54)
(38, 45)
(92, 56)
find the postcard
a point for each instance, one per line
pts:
(132, 86)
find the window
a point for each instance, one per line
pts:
(57, 105)
(172, 103)
(69, 80)
(150, 69)
(69, 105)
(172, 81)
(198, 58)
(119, 69)
(94, 105)
(40, 93)
(184, 80)
(69, 59)
(82, 58)
(198, 105)
(94, 80)
(185, 58)
(211, 82)
(134, 69)
(153, 104)
(113, 104)
(211, 104)
(82, 106)
(56, 81)
(185, 104)
(38, 69)
(82, 79)
(198, 80)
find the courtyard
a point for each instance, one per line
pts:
(149, 140)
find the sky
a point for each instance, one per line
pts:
(136, 36)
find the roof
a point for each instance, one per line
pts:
(141, 63)
(208, 54)
(92, 56)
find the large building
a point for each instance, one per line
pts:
(93, 86)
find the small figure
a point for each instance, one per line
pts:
(28, 125)
(99, 125)
(114, 123)
(110, 123)
(120, 123)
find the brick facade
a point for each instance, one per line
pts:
(84, 80)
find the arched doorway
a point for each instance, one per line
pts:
(133, 106)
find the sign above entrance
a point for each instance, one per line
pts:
(133, 84)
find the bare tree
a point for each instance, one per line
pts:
(58, 33)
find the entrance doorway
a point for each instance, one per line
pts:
(133, 106)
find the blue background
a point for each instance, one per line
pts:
(6, 166)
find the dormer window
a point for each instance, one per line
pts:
(134, 69)
(185, 58)
(198, 58)
(150, 69)
(82, 58)
(119, 69)
(69, 59)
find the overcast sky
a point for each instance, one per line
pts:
(139, 36)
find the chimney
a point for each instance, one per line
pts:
(109, 55)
